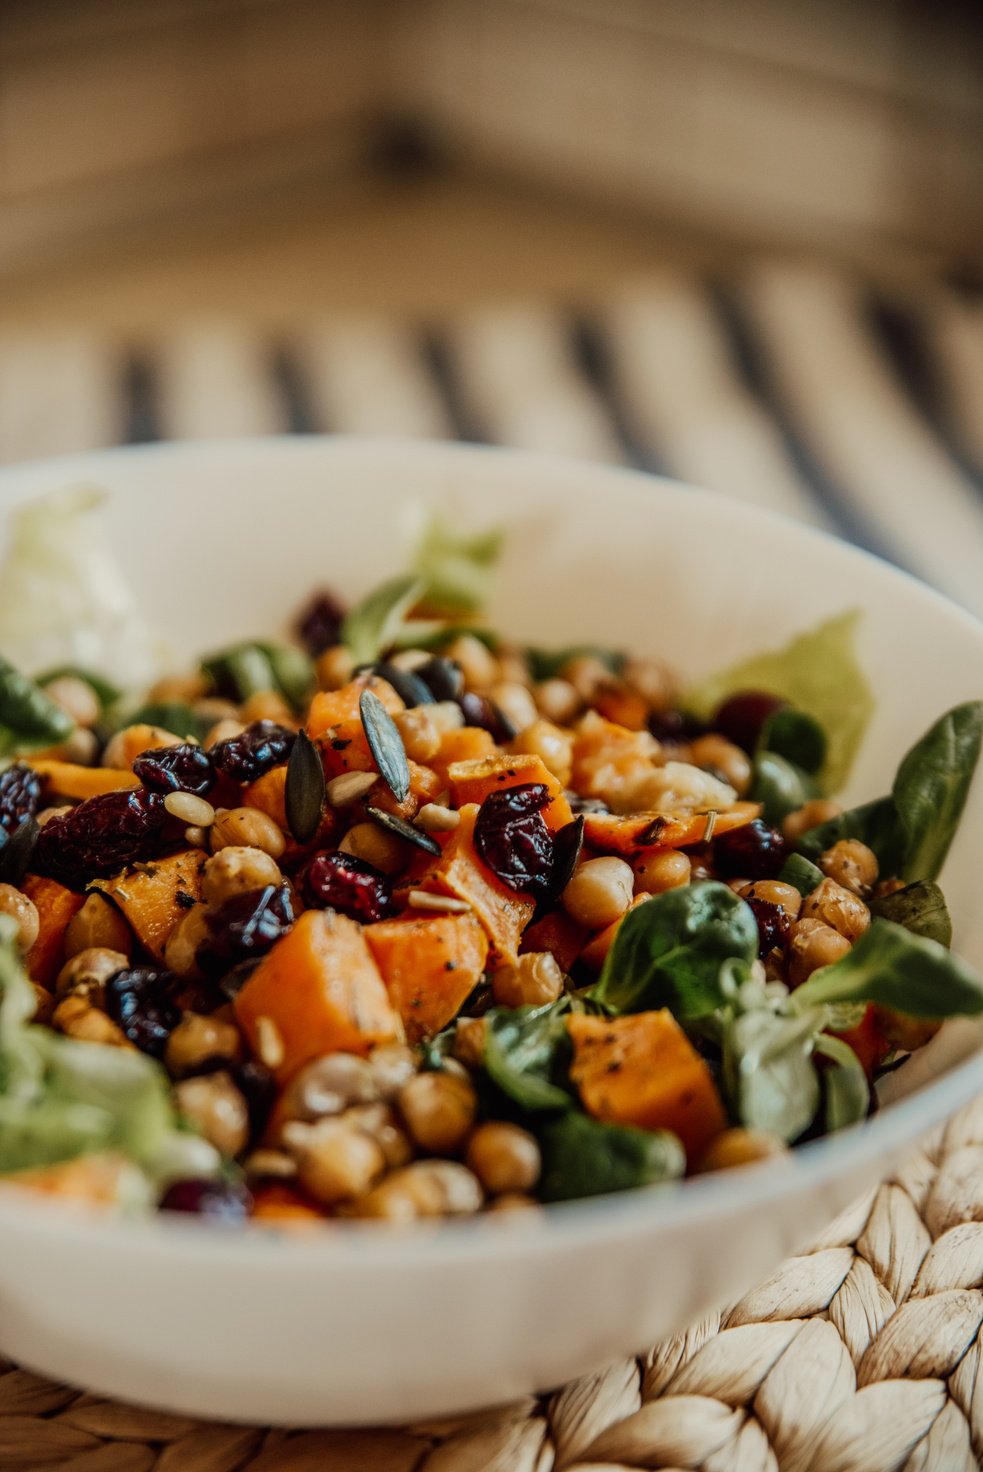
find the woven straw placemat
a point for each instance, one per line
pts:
(861, 1354)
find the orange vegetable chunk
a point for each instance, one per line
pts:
(459, 872)
(284, 1206)
(557, 933)
(56, 906)
(335, 723)
(461, 744)
(267, 794)
(473, 781)
(155, 896)
(429, 965)
(611, 834)
(321, 989)
(68, 780)
(643, 1070)
(595, 951)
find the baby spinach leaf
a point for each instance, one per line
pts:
(768, 1073)
(897, 969)
(292, 671)
(28, 719)
(526, 1051)
(796, 736)
(371, 627)
(457, 570)
(585, 1157)
(803, 875)
(818, 673)
(932, 785)
(669, 951)
(874, 823)
(779, 785)
(845, 1084)
(920, 908)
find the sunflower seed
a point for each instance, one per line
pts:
(403, 830)
(345, 790)
(385, 744)
(303, 794)
(422, 899)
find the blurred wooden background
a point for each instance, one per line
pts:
(857, 124)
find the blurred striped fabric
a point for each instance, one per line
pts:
(855, 408)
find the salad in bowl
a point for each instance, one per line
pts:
(396, 962)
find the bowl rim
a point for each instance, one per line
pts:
(608, 1218)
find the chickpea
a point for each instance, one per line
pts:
(427, 1188)
(663, 869)
(181, 946)
(553, 746)
(599, 893)
(421, 738)
(235, 870)
(247, 828)
(378, 847)
(515, 702)
(87, 973)
(99, 924)
(379, 1121)
(76, 1017)
(733, 764)
(184, 688)
(558, 701)
(513, 1201)
(534, 980)
(817, 810)
(75, 696)
(469, 1041)
(586, 674)
(504, 1158)
(329, 1085)
(267, 705)
(852, 864)
(120, 753)
(838, 907)
(812, 946)
(197, 1040)
(213, 1103)
(270, 1165)
(439, 1110)
(24, 914)
(226, 728)
(446, 715)
(334, 667)
(82, 747)
(479, 666)
(740, 1147)
(392, 1065)
(773, 892)
(651, 681)
(335, 1160)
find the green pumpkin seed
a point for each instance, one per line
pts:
(303, 794)
(385, 744)
(403, 830)
(15, 855)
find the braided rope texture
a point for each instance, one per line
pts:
(861, 1354)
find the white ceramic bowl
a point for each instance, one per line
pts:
(372, 1324)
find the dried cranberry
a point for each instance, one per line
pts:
(512, 837)
(254, 751)
(741, 717)
(480, 711)
(20, 796)
(319, 622)
(100, 836)
(141, 1000)
(774, 924)
(184, 768)
(753, 851)
(219, 1200)
(673, 726)
(244, 926)
(350, 885)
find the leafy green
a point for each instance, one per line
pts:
(796, 736)
(546, 664)
(252, 668)
(768, 1073)
(911, 830)
(818, 673)
(895, 968)
(669, 951)
(434, 634)
(293, 672)
(920, 908)
(371, 627)
(28, 718)
(169, 715)
(779, 785)
(932, 785)
(585, 1157)
(844, 1084)
(456, 570)
(801, 873)
(526, 1050)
